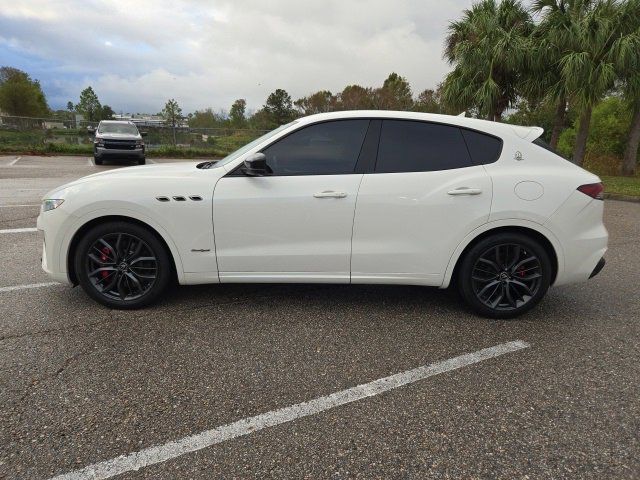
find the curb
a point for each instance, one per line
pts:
(622, 198)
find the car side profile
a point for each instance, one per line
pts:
(118, 139)
(357, 197)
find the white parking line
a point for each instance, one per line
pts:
(13, 288)
(20, 205)
(18, 230)
(14, 161)
(150, 161)
(90, 161)
(176, 448)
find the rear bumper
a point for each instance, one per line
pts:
(578, 226)
(599, 266)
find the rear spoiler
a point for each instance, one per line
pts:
(527, 133)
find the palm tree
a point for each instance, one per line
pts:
(547, 44)
(488, 48)
(582, 35)
(627, 52)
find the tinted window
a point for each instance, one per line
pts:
(541, 143)
(407, 146)
(483, 148)
(321, 149)
(124, 128)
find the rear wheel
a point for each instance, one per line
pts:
(504, 275)
(122, 265)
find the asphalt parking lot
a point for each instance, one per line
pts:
(211, 368)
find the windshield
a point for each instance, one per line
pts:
(125, 128)
(242, 150)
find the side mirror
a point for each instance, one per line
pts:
(144, 134)
(256, 165)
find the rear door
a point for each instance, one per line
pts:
(423, 197)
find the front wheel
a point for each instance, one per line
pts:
(142, 161)
(504, 275)
(122, 265)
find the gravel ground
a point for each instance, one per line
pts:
(81, 383)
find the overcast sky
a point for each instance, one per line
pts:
(137, 54)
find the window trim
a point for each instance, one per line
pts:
(459, 127)
(366, 165)
(361, 163)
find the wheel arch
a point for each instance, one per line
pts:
(545, 237)
(90, 223)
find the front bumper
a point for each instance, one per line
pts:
(113, 152)
(50, 225)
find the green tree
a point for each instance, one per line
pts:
(20, 95)
(610, 121)
(172, 114)
(627, 47)
(588, 62)
(319, 102)
(279, 107)
(203, 119)
(395, 94)
(70, 106)
(106, 113)
(547, 44)
(89, 105)
(237, 113)
(488, 48)
(355, 97)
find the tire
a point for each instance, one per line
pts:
(142, 161)
(504, 275)
(97, 161)
(122, 265)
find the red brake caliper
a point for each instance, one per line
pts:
(104, 257)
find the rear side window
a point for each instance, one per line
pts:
(328, 148)
(409, 146)
(541, 143)
(483, 148)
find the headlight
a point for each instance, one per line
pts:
(139, 143)
(51, 204)
(98, 141)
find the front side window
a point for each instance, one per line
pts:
(412, 146)
(329, 148)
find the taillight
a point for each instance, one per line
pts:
(594, 190)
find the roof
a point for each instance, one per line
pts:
(116, 121)
(496, 128)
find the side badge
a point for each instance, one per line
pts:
(518, 156)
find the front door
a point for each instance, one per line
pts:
(294, 224)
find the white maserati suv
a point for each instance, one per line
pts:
(368, 197)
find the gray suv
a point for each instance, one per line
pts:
(118, 139)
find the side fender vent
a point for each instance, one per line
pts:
(162, 199)
(179, 199)
(195, 198)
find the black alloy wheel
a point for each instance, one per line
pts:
(122, 265)
(504, 275)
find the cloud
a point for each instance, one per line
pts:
(206, 54)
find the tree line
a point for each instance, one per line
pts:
(570, 66)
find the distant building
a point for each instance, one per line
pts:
(49, 124)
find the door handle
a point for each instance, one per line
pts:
(329, 194)
(465, 191)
